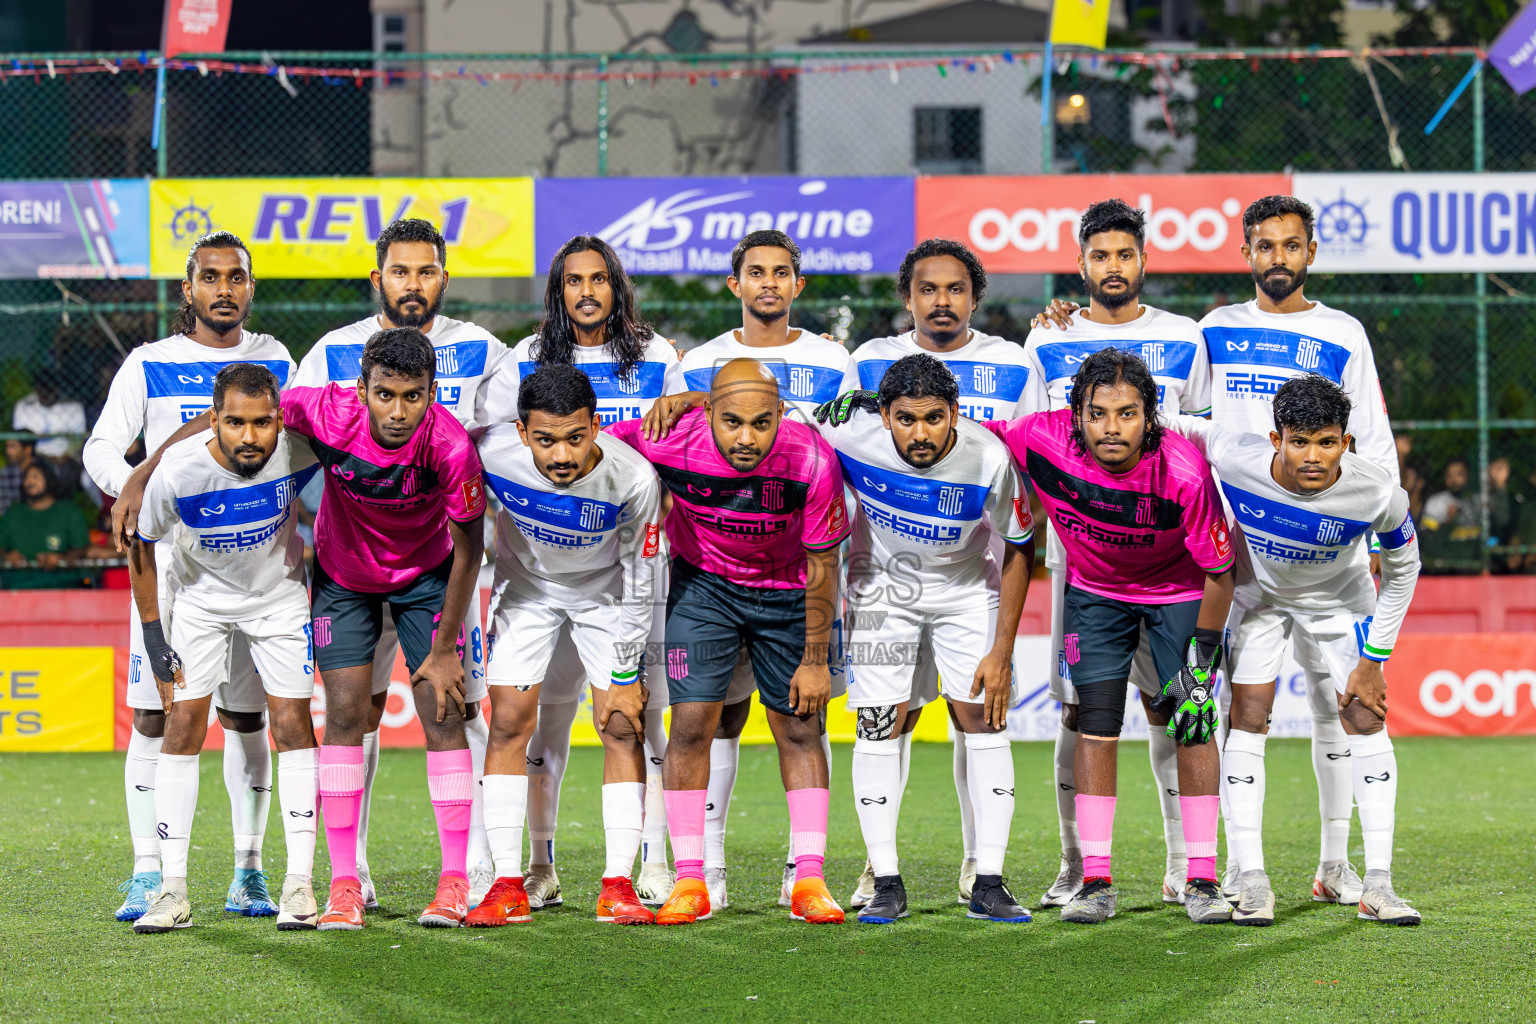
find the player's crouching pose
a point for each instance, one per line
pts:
(1147, 547)
(933, 489)
(578, 545)
(238, 569)
(1306, 506)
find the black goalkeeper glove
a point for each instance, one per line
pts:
(164, 662)
(1189, 697)
(840, 409)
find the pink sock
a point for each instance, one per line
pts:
(1095, 832)
(808, 830)
(685, 824)
(341, 794)
(451, 782)
(1199, 813)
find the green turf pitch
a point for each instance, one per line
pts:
(1466, 815)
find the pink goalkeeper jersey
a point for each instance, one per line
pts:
(1148, 536)
(751, 528)
(384, 517)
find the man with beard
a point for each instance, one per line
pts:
(411, 282)
(159, 387)
(942, 283)
(590, 321)
(223, 506)
(935, 494)
(1113, 263)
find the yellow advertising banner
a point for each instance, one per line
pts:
(55, 698)
(932, 726)
(325, 227)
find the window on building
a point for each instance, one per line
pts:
(947, 140)
(391, 34)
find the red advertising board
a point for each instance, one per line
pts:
(1468, 684)
(1028, 224)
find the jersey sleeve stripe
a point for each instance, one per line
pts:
(1376, 653)
(1395, 539)
(1223, 567)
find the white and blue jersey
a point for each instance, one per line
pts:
(996, 382)
(159, 387)
(1170, 345)
(468, 356)
(619, 398)
(235, 549)
(1253, 352)
(810, 369)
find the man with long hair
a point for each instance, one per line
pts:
(159, 387)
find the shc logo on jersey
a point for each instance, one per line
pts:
(801, 381)
(448, 362)
(591, 516)
(630, 384)
(1144, 512)
(1309, 353)
(950, 499)
(773, 495)
(1152, 355)
(677, 662)
(1330, 531)
(984, 379)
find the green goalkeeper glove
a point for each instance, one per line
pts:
(1189, 697)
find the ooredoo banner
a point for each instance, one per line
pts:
(1028, 224)
(690, 225)
(1471, 684)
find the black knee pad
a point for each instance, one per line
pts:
(1100, 708)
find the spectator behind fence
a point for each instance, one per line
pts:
(56, 421)
(1450, 530)
(1503, 519)
(20, 452)
(1524, 501)
(44, 530)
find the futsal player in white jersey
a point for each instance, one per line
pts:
(411, 281)
(1254, 347)
(1306, 507)
(223, 507)
(591, 321)
(765, 276)
(578, 546)
(159, 387)
(934, 490)
(941, 283)
(1112, 261)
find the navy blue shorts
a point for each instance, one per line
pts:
(1100, 635)
(347, 623)
(709, 620)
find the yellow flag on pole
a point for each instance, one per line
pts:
(1080, 22)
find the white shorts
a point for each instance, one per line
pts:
(532, 620)
(1333, 642)
(885, 644)
(240, 688)
(278, 646)
(473, 636)
(1143, 671)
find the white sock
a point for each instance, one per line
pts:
(370, 771)
(139, 791)
(877, 798)
(1066, 792)
(1242, 783)
(990, 777)
(248, 778)
(653, 840)
(905, 743)
(548, 751)
(623, 819)
(1375, 779)
(175, 805)
(506, 805)
(963, 793)
(478, 733)
(298, 783)
(724, 756)
(1335, 786)
(1163, 751)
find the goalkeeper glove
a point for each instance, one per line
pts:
(163, 661)
(1189, 698)
(840, 409)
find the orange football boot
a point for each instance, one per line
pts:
(344, 910)
(810, 901)
(505, 903)
(618, 904)
(449, 906)
(688, 903)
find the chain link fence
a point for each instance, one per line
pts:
(1453, 350)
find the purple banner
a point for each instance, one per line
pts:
(690, 225)
(1514, 51)
(94, 228)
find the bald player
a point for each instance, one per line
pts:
(756, 519)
